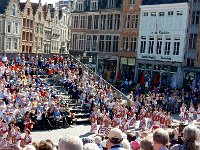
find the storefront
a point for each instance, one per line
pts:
(157, 73)
(107, 68)
(127, 68)
(191, 78)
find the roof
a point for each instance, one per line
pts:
(3, 5)
(156, 2)
(34, 7)
(22, 6)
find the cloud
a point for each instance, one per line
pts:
(43, 1)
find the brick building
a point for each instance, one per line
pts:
(129, 38)
(96, 34)
(27, 27)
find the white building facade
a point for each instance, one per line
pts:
(162, 43)
(10, 27)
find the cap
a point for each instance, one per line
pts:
(115, 135)
(135, 145)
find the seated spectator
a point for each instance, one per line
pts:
(70, 143)
(91, 146)
(146, 143)
(160, 139)
(190, 136)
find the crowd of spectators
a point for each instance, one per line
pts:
(28, 102)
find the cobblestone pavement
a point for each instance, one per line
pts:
(79, 130)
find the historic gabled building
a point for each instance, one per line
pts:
(10, 26)
(38, 45)
(27, 29)
(55, 34)
(96, 34)
(129, 38)
(47, 28)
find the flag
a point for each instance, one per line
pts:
(142, 81)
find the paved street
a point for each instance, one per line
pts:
(79, 130)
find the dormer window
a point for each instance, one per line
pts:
(13, 9)
(80, 5)
(111, 3)
(94, 4)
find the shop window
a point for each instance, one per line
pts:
(165, 68)
(157, 67)
(148, 66)
(141, 66)
(173, 69)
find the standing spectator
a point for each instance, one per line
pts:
(98, 141)
(160, 139)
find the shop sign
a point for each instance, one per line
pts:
(131, 61)
(148, 57)
(165, 58)
(160, 32)
(123, 61)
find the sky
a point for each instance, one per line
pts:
(43, 1)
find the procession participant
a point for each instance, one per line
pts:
(183, 113)
(11, 135)
(131, 115)
(124, 125)
(93, 120)
(191, 113)
(17, 137)
(168, 120)
(142, 118)
(106, 125)
(149, 119)
(198, 114)
(162, 119)
(27, 138)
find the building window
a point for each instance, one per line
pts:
(9, 27)
(103, 22)
(28, 23)
(16, 28)
(167, 46)
(13, 9)
(159, 45)
(31, 37)
(132, 1)
(75, 22)
(16, 44)
(192, 41)
(96, 22)
(56, 20)
(81, 41)
(82, 22)
(24, 22)
(9, 43)
(28, 11)
(101, 43)
(88, 42)
(143, 44)
(179, 13)
(133, 43)
(74, 43)
(195, 17)
(27, 36)
(117, 22)
(145, 14)
(190, 62)
(94, 43)
(135, 22)
(161, 13)
(151, 45)
(36, 28)
(153, 14)
(94, 5)
(23, 35)
(108, 43)
(39, 16)
(31, 23)
(109, 22)
(90, 22)
(80, 6)
(125, 43)
(176, 46)
(170, 13)
(111, 3)
(115, 43)
(127, 21)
